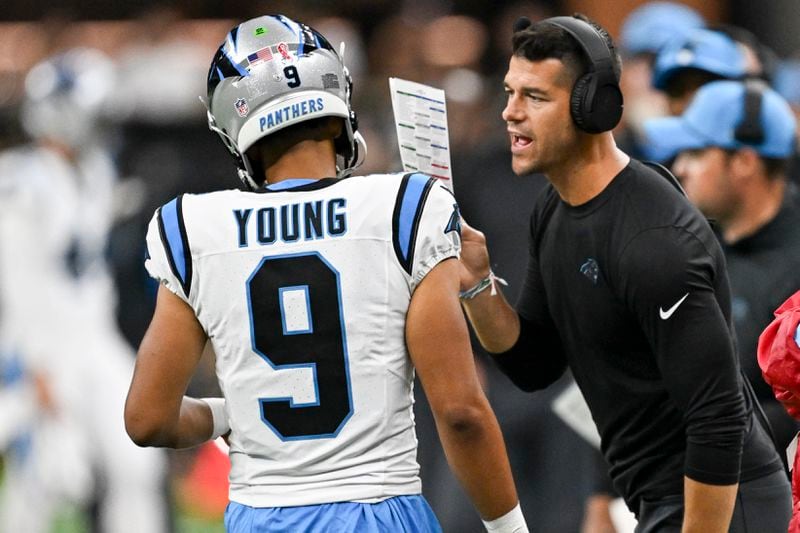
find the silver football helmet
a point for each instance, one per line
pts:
(272, 72)
(67, 95)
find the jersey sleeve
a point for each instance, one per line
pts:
(169, 259)
(669, 279)
(426, 226)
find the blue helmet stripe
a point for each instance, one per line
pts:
(283, 20)
(295, 27)
(300, 41)
(241, 70)
(234, 38)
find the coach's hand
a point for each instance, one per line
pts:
(474, 256)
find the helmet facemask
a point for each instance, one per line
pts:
(66, 97)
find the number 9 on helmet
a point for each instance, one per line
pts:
(272, 72)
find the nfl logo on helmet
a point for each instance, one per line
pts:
(241, 107)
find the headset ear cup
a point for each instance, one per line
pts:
(595, 106)
(610, 99)
(577, 102)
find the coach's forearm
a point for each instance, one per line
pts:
(495, 322)
(708, 508)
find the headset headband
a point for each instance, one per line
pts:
(596, 101)
(750, 129)
(588, 38)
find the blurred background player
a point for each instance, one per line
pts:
(317, 294)
(733, 146)
(644, 32)
(652, 25)
(689, 61)
(58, 313)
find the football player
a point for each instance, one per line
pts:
(58, 303)
(321, 293)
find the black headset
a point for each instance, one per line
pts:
(596, 99)
(750, 130)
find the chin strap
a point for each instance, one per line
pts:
(358, 148)
(357, 159)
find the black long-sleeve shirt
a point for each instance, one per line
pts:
(630, 290)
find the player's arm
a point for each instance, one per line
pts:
(438, 342)
(156, 412)
(694, 350)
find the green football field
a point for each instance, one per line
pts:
(73, 520)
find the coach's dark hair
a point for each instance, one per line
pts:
(541, 41)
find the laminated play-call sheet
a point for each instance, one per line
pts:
(420, 116)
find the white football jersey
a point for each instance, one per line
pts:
(54, 222)
(303, 292)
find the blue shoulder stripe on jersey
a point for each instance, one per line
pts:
(411, 197)
(176, 244)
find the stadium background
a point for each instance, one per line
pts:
(162, 147)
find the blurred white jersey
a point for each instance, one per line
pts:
(57, 315)
(303, 292)
(53, 227)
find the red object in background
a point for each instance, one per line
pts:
(779, 359)
(204, 490)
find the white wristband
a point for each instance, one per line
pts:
(511, 522)
(218, 417)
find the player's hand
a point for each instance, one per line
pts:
(474, 259)
(44, 393)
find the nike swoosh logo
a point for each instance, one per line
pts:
(668, 313)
